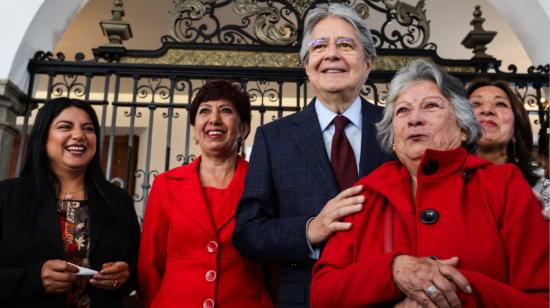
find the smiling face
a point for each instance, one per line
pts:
(493, 110)
(217, 126)
(336, 61)
(71, 141)
(423, 118)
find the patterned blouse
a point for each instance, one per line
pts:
(542, 191)
(73, 217)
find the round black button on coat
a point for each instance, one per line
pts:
(429, 216)
(430, 167)
(467, 175)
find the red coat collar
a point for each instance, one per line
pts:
(448, 162)
(185, 171)
(392, 179)
(189, 195)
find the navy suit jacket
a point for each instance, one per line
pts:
(289, 180)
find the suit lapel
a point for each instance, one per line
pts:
(309, 139)
(370, 151)
(232, 195)
(189, 196)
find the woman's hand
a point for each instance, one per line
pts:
(113, 275)
(329, 219)
(57, 276)
(428, 282)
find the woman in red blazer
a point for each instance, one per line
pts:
(440, 227)
(186, 256)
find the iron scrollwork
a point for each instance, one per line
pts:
(186, 13)
(270, 22)
(271, 26)
(528, 99)
(170, 114)
(532, 70)
(539, 69)
(132, 113)
(155, 88)
(185, 159)
(413, 18)
(262, 91)
(148, 179)
(375, 92)
(69, 86)
(48, 56)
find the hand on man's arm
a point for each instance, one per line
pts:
(329, 220)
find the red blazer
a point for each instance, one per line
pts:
(186, 261)
(488, 217)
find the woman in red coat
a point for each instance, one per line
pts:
(440, 227)
(186, 256)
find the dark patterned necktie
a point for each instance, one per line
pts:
(341, 156)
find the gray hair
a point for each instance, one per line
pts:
(450, 87)
(346, 13)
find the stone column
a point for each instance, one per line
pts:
(12, 104)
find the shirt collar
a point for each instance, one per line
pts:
(325, 115)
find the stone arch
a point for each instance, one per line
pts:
(531, 25)
(41, 28)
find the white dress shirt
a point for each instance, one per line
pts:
(352, 130)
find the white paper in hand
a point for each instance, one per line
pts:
(83, 271)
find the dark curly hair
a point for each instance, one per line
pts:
(520, 152)
(222, 89)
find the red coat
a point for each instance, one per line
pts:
(186, 261)
(488, 217)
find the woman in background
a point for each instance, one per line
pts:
(62, 212)
(507, 135)
(186, 256)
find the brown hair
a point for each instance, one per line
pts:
(520, 152)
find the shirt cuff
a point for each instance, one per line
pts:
(314, 252)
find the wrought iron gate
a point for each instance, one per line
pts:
(148, 93)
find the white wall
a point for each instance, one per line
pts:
(29, 26)
(530, 20)
(15, 18)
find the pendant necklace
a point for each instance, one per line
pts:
(69, 194)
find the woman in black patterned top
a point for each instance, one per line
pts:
(62, 213)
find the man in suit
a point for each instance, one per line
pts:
(296, 192)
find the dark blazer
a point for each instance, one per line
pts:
(30, 234)
(289, 180)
